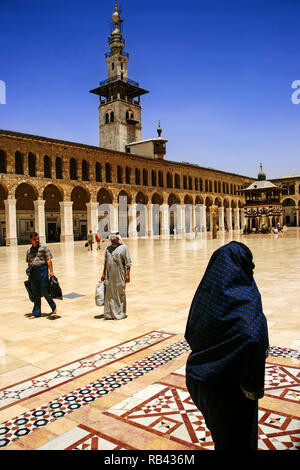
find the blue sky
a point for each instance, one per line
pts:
(219, 74)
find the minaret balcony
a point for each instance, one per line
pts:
(116, 78)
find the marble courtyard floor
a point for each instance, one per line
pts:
(77, 381)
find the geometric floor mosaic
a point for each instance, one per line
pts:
(37, 418)
(44, 382)
(163, 408)
(169, 411)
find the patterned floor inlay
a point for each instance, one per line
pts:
(73, 295)
(39, 417)
(169, 411)
(282, 382)
(39, 384)
(85, 438)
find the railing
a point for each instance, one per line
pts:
(116, 78)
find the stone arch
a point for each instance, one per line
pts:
(52, 195)
(157, 198)
(173, 199)
(288, 202)
(226, 203)
(199, 200)
(218, 202)
(80, 196)
(141, 198)
(104, 196)
(125, 193)
(25, 194)
(233, 204)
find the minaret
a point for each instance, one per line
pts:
(119, 97)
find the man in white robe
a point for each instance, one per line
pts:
(116, 273)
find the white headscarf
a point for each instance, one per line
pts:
(114, 235)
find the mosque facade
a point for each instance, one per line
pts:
(64, 189)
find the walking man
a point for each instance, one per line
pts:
(90, 239)
(40, 267)
(116, 273)
(98, 240)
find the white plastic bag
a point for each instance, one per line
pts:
(99, 294)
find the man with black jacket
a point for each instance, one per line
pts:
(40, 267)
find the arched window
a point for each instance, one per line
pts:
(119, 174)
(106, 118)
(177, 181)
(190, 182)
(137, 176)
(184, 182)
(215, 187)
(128, 175)
(145, 177)
(153, 177)
(108, 173)
(3, 162)
(31, 164)
(85, 171)
(73, 169)
(201, 184)
(169, 180)
(98, 172)
(206, 186)
(112, 117)
(19, 163)
(196, 184)
(160, 179)
(47, 167)
(58, 168)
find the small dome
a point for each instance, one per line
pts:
(261, 175)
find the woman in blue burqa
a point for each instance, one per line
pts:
(228, 336)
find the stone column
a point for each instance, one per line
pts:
(66, 221)
(113, 217)
(11, 222)
(243, 219)
(39, 218)
(165, 221)
(213, 219)
(132, 232)
(229, 217)
(149, 220)
(180, 220)
(193, 217)
(202, 216)
(236, 214)
(221, 218)
(92, 216)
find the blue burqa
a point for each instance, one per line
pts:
(226, 328)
